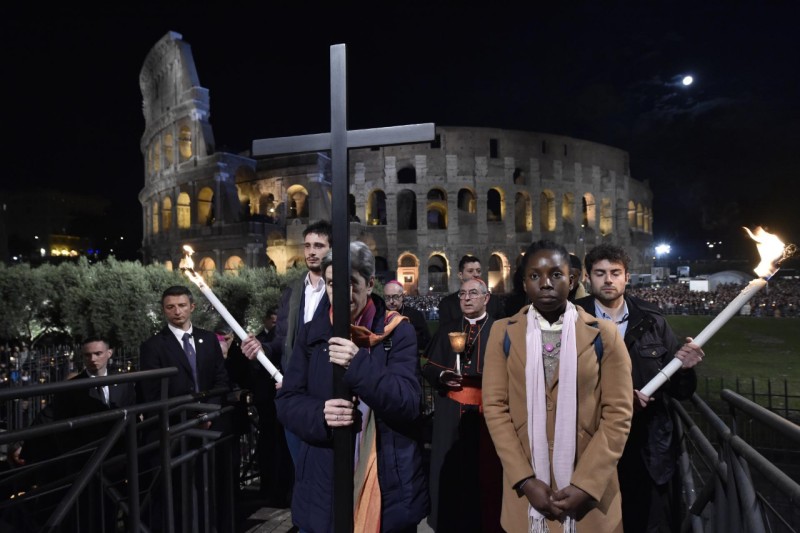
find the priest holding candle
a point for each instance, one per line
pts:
(465, 476)
(648, 463)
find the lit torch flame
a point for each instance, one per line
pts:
(187, 267)
(772, 251)
(187, 263)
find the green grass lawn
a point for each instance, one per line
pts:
(747, 347)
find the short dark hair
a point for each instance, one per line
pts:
(467, 259)
(223, 328)
(609, 252)
(177, 290)
(320, 227)
(574, 262)
(95, 338)
(545, 244)
(271, 311)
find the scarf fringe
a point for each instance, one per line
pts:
(539, 525)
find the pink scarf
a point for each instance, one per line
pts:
(566, 411)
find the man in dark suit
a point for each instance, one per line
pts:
(174, 346)
(394, 295)
(469, 267)
(299, 303)
(96, 354)
(270, 321)
(89, 515)
(197, 355)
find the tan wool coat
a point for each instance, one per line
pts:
(605, 408)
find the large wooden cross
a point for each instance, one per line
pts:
(338, 141)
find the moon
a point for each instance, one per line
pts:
(687, 80)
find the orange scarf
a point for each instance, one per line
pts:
(366, 488)
(362, 336)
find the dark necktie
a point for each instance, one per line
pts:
(191, 355)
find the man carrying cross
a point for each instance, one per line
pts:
(338, 141)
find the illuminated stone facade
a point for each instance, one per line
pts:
(480, 191)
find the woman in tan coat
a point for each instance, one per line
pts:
(557, 382)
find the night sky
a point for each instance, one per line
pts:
(719, 154)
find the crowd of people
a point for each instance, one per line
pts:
(781, 298)
(538, 424)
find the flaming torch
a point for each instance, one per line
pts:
(187, 267)
(773, 252)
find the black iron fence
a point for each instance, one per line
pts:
(776, 395)
(156, 466)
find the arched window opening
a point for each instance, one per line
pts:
(631, 214)
(496, 276)
(376, 208)
(437, 209)
(406, 210)
(166, 214)
(233, 265)
(207, 267)
(437, 273)
(589, 211)
(155, 218)
(408, 273)
(494, 206)
(298, 206)
(639, 217)
(205, 211)
(184, 211)
(169, 148)
(467, 202)
(407, 175)
(156, 157)
(185, 143)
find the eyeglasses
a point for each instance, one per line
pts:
(469, 295)
(397, 297)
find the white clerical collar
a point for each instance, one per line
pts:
(474, 321)
(100, 374)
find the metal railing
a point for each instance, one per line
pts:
(740, 490)
(125, 477)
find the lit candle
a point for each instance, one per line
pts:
(187, 266)
(458, 340)
(772, 252)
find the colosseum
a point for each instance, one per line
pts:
(421, 207)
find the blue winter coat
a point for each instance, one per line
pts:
(386, 378)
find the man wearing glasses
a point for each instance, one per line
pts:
(466, 475)
(469, 267)
(394, 294)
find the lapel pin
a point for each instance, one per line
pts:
(200, 341)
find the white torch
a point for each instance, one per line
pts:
(773, 252)
(187, 267)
